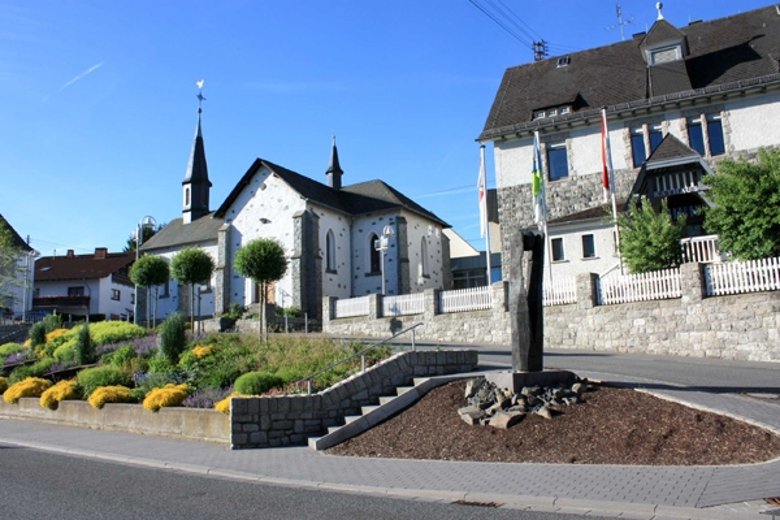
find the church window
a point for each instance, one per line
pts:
(330, 252)
(425, 264)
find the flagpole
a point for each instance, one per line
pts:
(483, 211)
(609, 180)
(540, 204)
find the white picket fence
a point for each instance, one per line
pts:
(403, 304)
(560, 292)
(351, 307)
(471, 299)
(655, 285)
(742, 277)
(701, 249)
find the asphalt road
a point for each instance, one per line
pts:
(49, 486)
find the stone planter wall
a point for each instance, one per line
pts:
(189, 423)
(741, 327)
(260, 422)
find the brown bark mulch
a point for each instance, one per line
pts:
(612, 426)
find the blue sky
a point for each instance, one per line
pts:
(98, 98)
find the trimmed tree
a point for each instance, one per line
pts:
(192, 266)
(650, 240)
(85, 347)
(150, 271)
(746, 211)
(262, 260)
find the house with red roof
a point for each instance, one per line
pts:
(85, 285)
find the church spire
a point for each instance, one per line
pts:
(196, 184)
(334, 171)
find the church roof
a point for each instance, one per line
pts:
(355, 199)
(197, 169)
(721, 55)
(178, 234)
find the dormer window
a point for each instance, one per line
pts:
(552, 112)
(563, 61)
(665, 54)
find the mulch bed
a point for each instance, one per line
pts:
(612, 426)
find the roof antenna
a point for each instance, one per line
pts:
(621, 22)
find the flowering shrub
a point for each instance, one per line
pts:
(110, 394)
(56, 333)
(206, 398)
(30, 387)
(7, 349)
(19, 357)
(201, 351)
(169, 395)
(3, 384)
(223, 406)
(66, 389)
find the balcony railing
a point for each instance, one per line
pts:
(677, 183)
(702, 249)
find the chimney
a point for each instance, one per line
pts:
(70, 253)
(100, 253)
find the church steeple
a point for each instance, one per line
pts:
(334, 171)
(196, 184)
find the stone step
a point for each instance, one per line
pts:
(402, 389)
(368, 409)
(386, 399)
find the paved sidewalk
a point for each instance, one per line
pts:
(643, 492)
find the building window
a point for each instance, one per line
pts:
(330, 252)
(588, 246)
(425, 268)
(132, 298)
(186, 196)
(76, 291)
(638, 153)
(665, 54)
(116, 295)
(715, 134)
(557, 249)
(656, 135)
(557, 161)
(696, 135)
(375, 259)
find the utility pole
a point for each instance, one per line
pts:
(540, 50)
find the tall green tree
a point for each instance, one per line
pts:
(650, 240)
(746, 211)
(192, 266)
(147, 232)
(10, 269)
(150, 271)
(262, 260)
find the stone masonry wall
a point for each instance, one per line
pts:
(743, 327)
(261, 422)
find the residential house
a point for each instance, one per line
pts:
(330, 233)
(677, 100)
(85, 285)
(16, 280)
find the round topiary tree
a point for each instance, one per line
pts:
(263, 260)
(150, 271)
(192, 266)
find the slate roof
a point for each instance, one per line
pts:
(17, 240)
(175, 234)
(355, 199)
(80, 267)
(724, 54)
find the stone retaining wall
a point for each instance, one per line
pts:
(189, 423)
(743, 327)
(260, 422)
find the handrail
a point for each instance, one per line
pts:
(362, 355)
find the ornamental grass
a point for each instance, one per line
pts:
(110, 394)
(169, 395)
(29, 387)
(63, 390)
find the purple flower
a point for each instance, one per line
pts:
(19, 357)
(207, 397)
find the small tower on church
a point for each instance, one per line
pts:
(334, 171)
(196, 185)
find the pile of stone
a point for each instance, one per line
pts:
(502, 408)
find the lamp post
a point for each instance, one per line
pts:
(146, 222)
(382, 245)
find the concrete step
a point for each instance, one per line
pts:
(386, 399)
(368, 409)
(403, 389)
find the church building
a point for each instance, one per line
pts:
(330, 233)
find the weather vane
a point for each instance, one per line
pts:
(200, 97)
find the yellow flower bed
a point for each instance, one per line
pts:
(56, 333)
(169, 395)
(110, 394)
(59, 392)
(27, 343)
(223, 406)
(30, 387)
(3, 384)
(201, 351)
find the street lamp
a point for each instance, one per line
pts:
(382, 244)
(146, 222)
